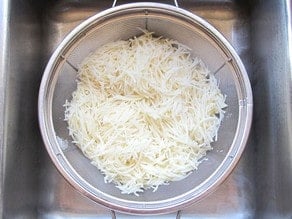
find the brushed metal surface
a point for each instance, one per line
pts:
(3, 67)
(21, 142)
(272, 80)
(260, 186)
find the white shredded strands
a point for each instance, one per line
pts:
(144, 112)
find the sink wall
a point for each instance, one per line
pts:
(21, 66)
(271, 82)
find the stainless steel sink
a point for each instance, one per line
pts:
(259, 187)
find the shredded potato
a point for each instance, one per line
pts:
(144, 112)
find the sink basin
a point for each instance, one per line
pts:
(259, 187)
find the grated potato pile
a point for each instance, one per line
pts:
(144, 112)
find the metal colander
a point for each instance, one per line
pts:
(124, 22)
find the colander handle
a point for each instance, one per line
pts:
(115, 2)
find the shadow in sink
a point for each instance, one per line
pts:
(261, 184)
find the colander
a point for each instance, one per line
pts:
(124, 22)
